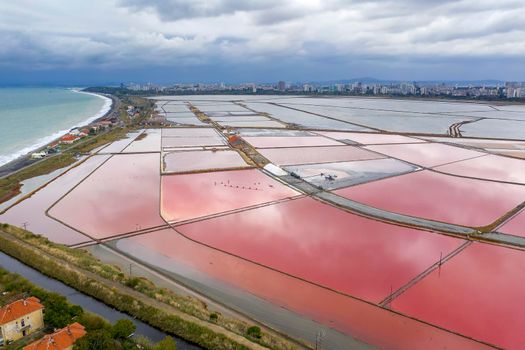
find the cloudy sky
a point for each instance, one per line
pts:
(100, 41)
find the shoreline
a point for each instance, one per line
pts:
(22, 159)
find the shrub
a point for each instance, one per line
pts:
(97, 340)
(166, 344)
(122, 329)
(254, 331)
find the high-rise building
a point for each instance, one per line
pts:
(281, 86)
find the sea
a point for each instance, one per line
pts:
(32, 117)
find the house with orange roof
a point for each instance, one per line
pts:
(20, 318)
(68, 139)
(63, 339)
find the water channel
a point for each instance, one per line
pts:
(92, 305)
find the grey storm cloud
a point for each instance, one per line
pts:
(299, 33)
(170, 10)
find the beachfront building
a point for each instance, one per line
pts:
(68, 139)
(63, 339)
(38, 155)
(20, 318)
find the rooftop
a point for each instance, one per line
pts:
(60, 340)
(19, 308)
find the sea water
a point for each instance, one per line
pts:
(33, 117)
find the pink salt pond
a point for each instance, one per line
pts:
(192, 196)
(202, 160)
(326, 246)
(515, 226)
(489, 167)
(369, 138)
(121, 196)
(295, 141)
(32, 210)
(148, 141)
(440, 197)
(255, 123)
(312, 155)
(370, 323)
(477, 293)
(173, 142)
(189, 132)
(427, 154)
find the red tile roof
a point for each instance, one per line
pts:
(60, 340)
(18, 309)
(68, 137)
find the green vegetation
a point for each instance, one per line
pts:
(122, 329)
(95, 340)
(151, 305)
(188, 305)
(10, 185)
(166, 344)
(214, 317)
(60, 313)
(254, 332)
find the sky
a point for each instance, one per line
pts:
(75, 42)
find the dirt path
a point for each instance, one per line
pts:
(139, 296)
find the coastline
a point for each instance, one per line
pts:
(21, 159)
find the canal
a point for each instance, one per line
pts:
(92, 305)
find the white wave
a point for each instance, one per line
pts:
(4, 159)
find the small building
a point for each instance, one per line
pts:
(63, 339)
(20, 318)
(234, 140)
(105, 123)
(53, 147)
(68, 139)
(38, 155)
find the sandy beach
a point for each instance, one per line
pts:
(24, 159)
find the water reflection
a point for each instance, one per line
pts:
(310, 155)
(195, 195)
(439, 197)
(477, 293)
(121, 196)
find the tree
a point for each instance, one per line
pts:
(58, 313)
(254, 332)
(97, 340)
(122, 329)
(93, 322)
(214, 317)
(166, 344)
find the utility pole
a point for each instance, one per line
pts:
(440, 263)
(24, 225)
(130, 266)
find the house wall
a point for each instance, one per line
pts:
(12, 331)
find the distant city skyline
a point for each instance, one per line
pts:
(163, 41)
(369, 87)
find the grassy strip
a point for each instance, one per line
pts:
(155, 316)
(189, 305)
(10, 185)
(59, 313)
